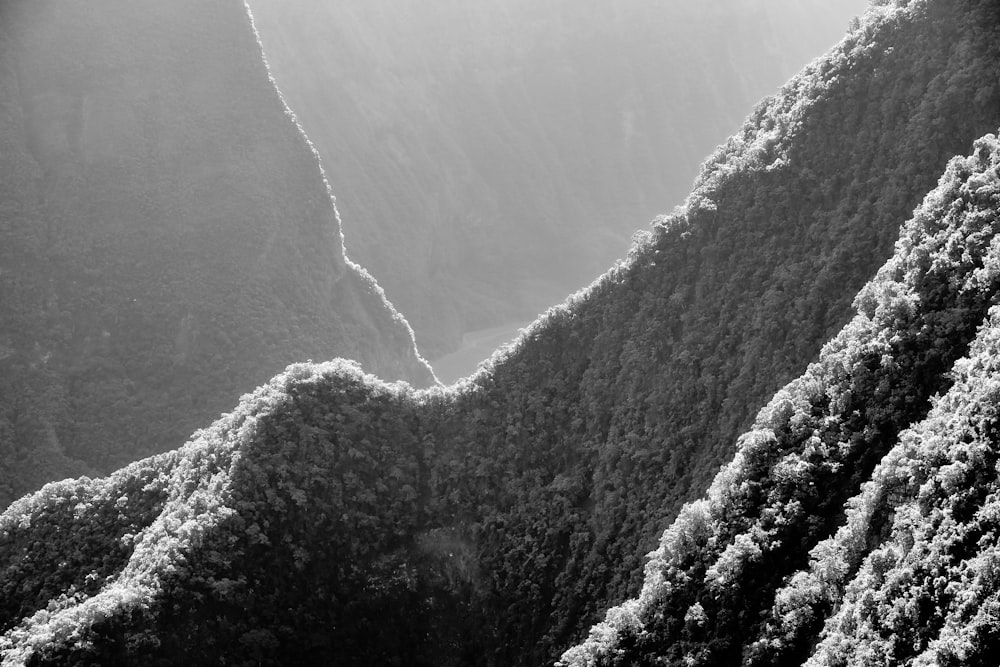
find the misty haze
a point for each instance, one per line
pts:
(436, 332)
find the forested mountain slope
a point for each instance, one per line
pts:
(334, 518)
(490, 158)
(749, 574)
(167, 240)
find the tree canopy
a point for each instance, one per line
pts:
(332, 517)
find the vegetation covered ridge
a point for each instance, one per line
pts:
(334, 518)
(747, 575)
(166, 241)
(330, 514)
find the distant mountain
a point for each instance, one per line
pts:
(333, 518)
(167, 240)
(491, 157)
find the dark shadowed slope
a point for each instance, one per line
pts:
(491, 157)
(333, 518)
(167, 240)
(724, 586)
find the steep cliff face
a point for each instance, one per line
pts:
(167, 240)
(335, 518)
(492, 157)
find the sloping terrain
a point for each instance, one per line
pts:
(167, 240)
(492, 157)
(747, 576)
(335, 518)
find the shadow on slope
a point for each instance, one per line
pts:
(336, 518)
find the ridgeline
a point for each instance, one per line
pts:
(167, 239)
(334, 518)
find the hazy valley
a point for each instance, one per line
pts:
(491, 159)
(818, 318)
(168, 241)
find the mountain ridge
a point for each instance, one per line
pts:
(496, 158)
(167, 241)
(822, 434)
(335, 517)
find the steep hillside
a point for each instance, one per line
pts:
(492, 157)
(334, 518)
(167, 240)
(747, 576)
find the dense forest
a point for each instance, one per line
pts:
(490, 158)
(167, 239)
(749, 574)
(334, 518)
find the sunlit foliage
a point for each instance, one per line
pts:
(332, 518)
(167, 241)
